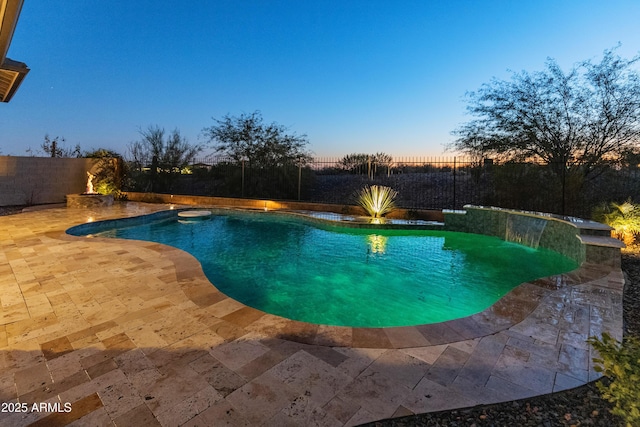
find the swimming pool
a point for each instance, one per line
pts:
(335, 275)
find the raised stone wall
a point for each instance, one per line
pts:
(580, 240)
(39, 180)
(558, 235)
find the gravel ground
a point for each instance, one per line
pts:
(580, 406)
(8, 210)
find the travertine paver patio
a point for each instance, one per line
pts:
(132, 333)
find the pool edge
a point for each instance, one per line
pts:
(508, 311)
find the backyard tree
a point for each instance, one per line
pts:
(164, 155)
(248, 138)
(576, 121)
(365, 163)
(354, 162)
(56, 148)
(268, 160)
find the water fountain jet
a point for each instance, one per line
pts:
(524, 229)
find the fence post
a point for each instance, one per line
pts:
(564, 186)
(242, 185)
(299, 177)
(454, 183)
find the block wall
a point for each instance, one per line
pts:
(39, 180)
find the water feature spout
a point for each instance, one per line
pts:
(525, 230)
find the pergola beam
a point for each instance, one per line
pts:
(11, 72)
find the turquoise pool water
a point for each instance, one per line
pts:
(344, 276)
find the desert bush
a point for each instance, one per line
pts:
(110, 172)
(624, 218)
(619, 361)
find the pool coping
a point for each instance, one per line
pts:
(509, 310)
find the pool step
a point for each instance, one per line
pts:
(592, 228)
(602, 241)
(192, 214)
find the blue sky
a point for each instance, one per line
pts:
(355, 76)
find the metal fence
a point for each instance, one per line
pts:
(421, 183)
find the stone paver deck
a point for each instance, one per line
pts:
(127, 333)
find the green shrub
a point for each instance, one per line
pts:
(377, 200)
(624, 218)
(109, 172)
(620, 362)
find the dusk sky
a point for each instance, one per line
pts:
(354, 76)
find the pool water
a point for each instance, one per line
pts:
(346, 276)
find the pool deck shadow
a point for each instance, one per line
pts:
(132, 333)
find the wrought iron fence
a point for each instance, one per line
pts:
(421, 183)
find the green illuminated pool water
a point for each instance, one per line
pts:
(349, 277)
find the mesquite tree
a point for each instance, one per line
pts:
(162, 155)
(575, 121)
(270, 160)
(248, 138)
